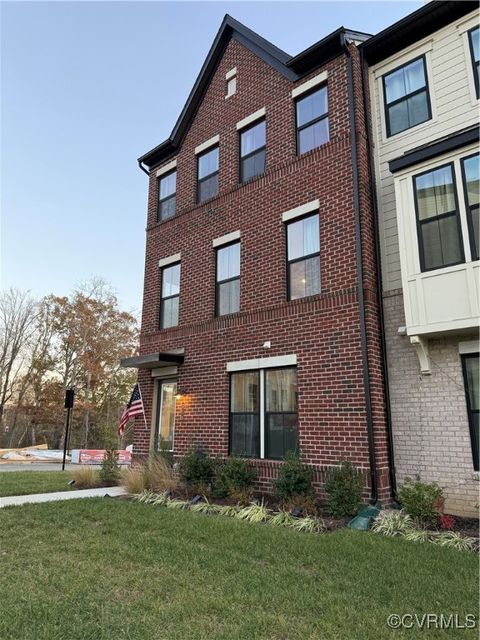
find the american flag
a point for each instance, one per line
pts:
(134, 408)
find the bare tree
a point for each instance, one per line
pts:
(17, 323)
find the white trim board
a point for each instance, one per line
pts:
(166, 168)
(163, 262)
(263, 363)
(230, 74)
(207, 144)
(241, 124)
(313, 82)
(314, 205)
(469, 346)
(229, 237)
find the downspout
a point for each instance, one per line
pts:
(359, 264)
(143, 168)
(383, 344)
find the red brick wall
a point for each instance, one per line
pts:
(323, 331)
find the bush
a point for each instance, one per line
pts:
(344, 486)
(86, 478)
(196, 469)
(234, 476)
(421, 500)
(392, 523)
(110, 471)
(294, 479)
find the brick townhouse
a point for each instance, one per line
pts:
(423, 77)
(260, 328)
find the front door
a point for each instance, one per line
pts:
(167, 391)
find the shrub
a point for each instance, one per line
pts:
(454, 540)
(421, 500)
(392, 523)
(196, 469)
(254, 513)
(446, 522)
(234, 476)
(308, 525)
(134, 479)
(294, 479)
(282, 519)
(159, 474)
(344, 486)
(86, 478)
(110, 471)
(306, 504)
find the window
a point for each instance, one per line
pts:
(438, 223)
(228, 280)
(166, 405)
(312, 120)
(208, 174)
(170, 296)
(167, 188)
(470, 364)
(471, 177)
(245, 414)
(474, 42)
(407, 102)
(264, 413)
(231, 86)
(303, 257)
(252, 151)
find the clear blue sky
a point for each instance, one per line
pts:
(86, 88)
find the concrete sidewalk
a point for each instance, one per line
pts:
(62, 495)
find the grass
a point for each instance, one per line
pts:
(103, 569)
(22, 483)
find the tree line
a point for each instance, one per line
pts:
(61, 342)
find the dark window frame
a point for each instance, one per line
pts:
(162, 298)
(419, 223)
(244, 413)
(474, 62)
(426, 88)
(474, 251)
(310, 214)
(470, 411)
(210, 175)
(262, 409)
(252, 153)
(167, 198)
(218, 283)
(323, 85)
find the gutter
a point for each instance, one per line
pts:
(359, 264)
(142, 167)
(383, 345)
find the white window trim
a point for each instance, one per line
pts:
(226, 239)
(310, 84)
(251, 118)
(463, 30)
(166, 168)
(164, 262)
(207, 144)
(231, 74)
(262, 363)
(469, 346)
(308, 207)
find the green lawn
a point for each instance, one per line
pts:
(102, 569)
(22, 483)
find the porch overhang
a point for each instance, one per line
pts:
(154, 360)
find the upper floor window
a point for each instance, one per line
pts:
(471, 184)
(167, 189)
(228, 280)
(303, 254)
(312, 120)
(407, 102)
(170, 296)
(474, 41)
(252, 151)
(438, 220)
(208, 174)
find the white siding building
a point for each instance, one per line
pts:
(424, 92)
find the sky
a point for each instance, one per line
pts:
(88, 87)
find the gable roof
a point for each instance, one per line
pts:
(291, 67)
(417, 25)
